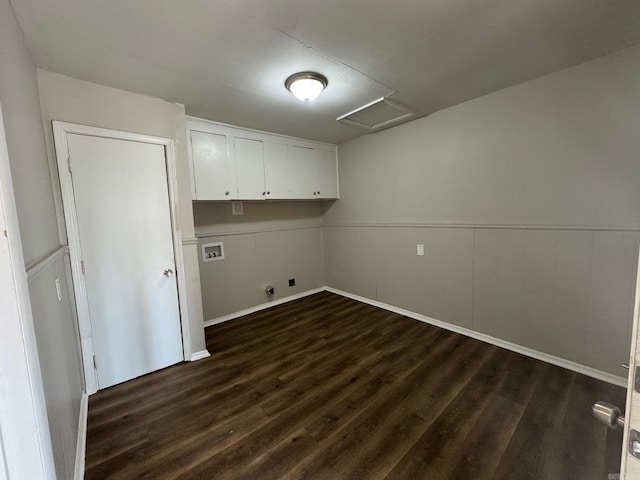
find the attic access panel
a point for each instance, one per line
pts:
(378, 115)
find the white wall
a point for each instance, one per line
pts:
(58, 344)
(27, 153)
(76, 101)
(528, 205)
(59, 355)
(271, 243)
(559, 150)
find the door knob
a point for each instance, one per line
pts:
(167, 272)
(608, 414)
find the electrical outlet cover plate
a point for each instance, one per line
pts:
(237, 208)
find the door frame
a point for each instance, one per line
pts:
(60, 131)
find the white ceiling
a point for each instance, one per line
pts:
(227, 60)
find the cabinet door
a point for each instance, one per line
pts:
(326, 174)
(302, 172)
(212, 171)
(276, 171)
(249, 169)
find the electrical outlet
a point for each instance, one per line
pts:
(420, 250)
(292, 282)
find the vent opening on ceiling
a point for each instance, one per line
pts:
(377, 115)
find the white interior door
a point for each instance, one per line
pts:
(25, 440)
(630, 468)
(124, 226)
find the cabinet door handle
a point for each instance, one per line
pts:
(264, 193)
(226, 193)
(268, 193)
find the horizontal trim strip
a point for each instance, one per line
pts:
(496, 226)
(263, 306)
(251, 232)
(529, 352)
(190, 241)
(37, 268)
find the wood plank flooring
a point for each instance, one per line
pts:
(330, 388)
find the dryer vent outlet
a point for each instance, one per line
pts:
(269, 290)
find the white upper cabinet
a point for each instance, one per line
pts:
(276, 171)
(230, 163)
(326, 174)
(313, 173)
(215, 179)
(249, 161)
(302, 176)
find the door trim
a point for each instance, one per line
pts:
(60, 131)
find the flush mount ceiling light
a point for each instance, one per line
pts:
(306, 86)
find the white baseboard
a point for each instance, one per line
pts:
(81, 445)
(199, 355)
(529, 352)
(263, 306)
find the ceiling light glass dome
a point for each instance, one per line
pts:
(306, 86)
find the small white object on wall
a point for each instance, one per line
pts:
(58, 291)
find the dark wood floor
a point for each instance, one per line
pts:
(329, 388)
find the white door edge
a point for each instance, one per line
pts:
(634, 362)
(25, 437)
(60, 131)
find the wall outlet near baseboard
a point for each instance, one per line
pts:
(292, 282)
